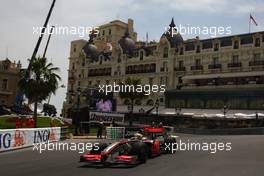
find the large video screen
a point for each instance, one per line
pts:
(101, 102)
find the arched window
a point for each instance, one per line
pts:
(165, 52)
(141, 55)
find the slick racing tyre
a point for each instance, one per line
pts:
(140, 150)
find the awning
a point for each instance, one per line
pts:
(224, 75)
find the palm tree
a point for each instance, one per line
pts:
(132, 95)
(42, 82)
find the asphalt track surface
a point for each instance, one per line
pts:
(245, 159)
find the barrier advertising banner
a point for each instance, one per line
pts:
(106, 117)
(19, 138)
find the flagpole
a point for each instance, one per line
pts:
(249, 24)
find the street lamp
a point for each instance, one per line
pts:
(177, 110)
(157, 106)
(225, 110)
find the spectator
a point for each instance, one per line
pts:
(19, 122)
(52, 123)
(113, 123)
(31, 123)
(153, 124)
(100, 129)
(160, 125)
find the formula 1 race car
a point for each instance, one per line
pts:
(128, 152)
(152, 142)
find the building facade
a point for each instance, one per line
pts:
(197, 73)
(9, 77)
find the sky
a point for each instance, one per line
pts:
(18, 18)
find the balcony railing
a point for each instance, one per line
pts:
(239, 64)
(255, 63)
(180, 69)
(215, 66)
(197, 67)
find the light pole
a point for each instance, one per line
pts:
(225, 110)
(177, 110)
(157, 106)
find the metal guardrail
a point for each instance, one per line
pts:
(64, 133)
(115, 132)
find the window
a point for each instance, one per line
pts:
(197, 62)
(216, 47)
(246, 40)
(165, 66)
(189, 47)
(119, 58)
(4, 84)
(181, 51)
(103, 32)
(256, 57)
(82, 73)
(165, 52)
(89, 83)
(257, 42)
(180, 64)
(74, 48)
(226, 42)
(198, 50)
(109, 32)
(235, 59)
(83, 62)
(215, 60)
(207, 44)
(236, 45)
(101, 60)
(141, 55)
(73, 66)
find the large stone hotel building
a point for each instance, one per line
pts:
(208, 73)
(9, 77)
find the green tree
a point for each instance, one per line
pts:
(49, 109)
(132, 95)
(43, 81)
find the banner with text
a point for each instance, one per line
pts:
(106, 117)
(20, 138)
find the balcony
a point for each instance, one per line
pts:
(256, 63)
(232, 65)
(163, 69)
(179, 69)
(197, 67)
(215, 66)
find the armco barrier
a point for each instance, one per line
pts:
(64, 133)
(11, 139)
